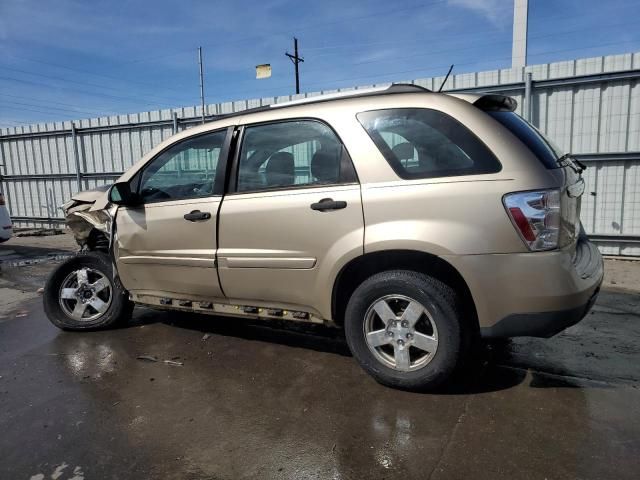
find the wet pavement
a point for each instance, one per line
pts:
(243, 399)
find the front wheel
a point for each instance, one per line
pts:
(82, 294)
(404, 329)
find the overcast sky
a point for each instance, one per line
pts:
(72, 59)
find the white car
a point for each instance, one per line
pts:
(6, 229)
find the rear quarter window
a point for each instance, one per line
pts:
(546, 152)
(424, 143)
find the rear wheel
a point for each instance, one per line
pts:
(404, 329)
(82, 294)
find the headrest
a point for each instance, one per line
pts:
(280, 170)
(403, 151)
(325, 166)
(281, 162)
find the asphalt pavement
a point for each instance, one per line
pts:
(180, 396)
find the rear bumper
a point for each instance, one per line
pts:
(543, 324)
(532, 294)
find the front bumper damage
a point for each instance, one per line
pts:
(83, 218)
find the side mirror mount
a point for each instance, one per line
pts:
(121, 194)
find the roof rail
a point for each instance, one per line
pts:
(362, 92)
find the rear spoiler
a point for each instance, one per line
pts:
(496, 103)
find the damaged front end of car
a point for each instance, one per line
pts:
(89, 216)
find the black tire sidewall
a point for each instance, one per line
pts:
(436, 297)
(118, 310)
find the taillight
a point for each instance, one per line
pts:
(536, 216)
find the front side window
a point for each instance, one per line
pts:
(424, 143)
(185, 170)
(290, 154)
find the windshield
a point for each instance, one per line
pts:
(543, 148)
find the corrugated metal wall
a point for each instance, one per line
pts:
(590, 107)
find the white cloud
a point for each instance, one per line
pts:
(496, 11)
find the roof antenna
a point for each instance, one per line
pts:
(446, 78)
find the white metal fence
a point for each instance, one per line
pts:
(590, 107)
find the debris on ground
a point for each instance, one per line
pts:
(174, 363)
(40, 290)
(151, 358)
(40, 232)
(21, 313)
(206, 336)
(147, 358)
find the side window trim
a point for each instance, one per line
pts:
(232, 181)
(221, 167)
(348, 174)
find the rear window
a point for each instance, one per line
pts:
(546, 151)
(425, 143)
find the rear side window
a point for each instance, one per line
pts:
(541, 147)
(425, 143)
(291, 154)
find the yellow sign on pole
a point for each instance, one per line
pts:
(263, 71)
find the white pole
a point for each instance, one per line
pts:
(520, 24)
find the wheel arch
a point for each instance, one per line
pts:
(362, 267)
(97, 241)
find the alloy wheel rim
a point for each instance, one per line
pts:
(85, 294)
(401, 333)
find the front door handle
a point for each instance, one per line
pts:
(197, 215)
(328, 204)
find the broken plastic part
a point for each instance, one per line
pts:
(82, 218)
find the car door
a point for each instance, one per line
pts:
(166, 246)
(292, 217)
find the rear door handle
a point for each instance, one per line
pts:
(328, 204)
(197, 215)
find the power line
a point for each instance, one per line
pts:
(86, 84)
(553, 16)
(440, 67)
(52, 108)
(48, 101)
(87, 72)
(97, 94)
(21, 109)
(432, 53)
(310, 26)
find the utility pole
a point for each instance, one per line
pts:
(201, 81)
(296, 59)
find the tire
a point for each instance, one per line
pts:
(106, 303)
(439, 321)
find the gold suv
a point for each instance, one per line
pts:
(417, 221)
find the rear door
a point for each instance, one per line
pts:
(292, 218)
(167, 245)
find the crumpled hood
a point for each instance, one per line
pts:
(90, 196)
